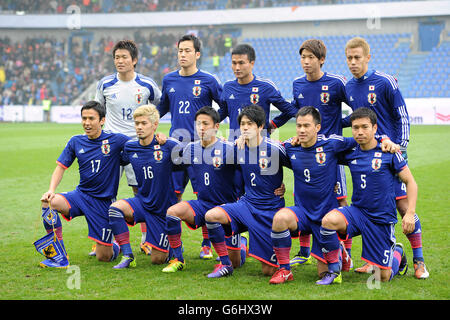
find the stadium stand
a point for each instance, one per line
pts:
(61, 69)
(110, 6)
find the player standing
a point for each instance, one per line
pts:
(184, 92)
(380, 92)
(121, 93)
(249, 89)
(326, 92)
(98, 154)
(373, 212)
(152, 164)
(261, 163)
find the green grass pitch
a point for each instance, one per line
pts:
(28, 153)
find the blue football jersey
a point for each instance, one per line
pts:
(380, 92)
(315, 170)
(262, 172)
(153, 166)
(259, 91)
(374, 175)
(214, 169)
(325, 94)
(98, 162)
(183, 96)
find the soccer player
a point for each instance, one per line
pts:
(184, 92)
(99, 154)
(261, 163)
(314, 163)
(380, 92)
(121, 93)
(213, 164)
(249, 89)
(372, 213)
(326, 92)
(152, 164)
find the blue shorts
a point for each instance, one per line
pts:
(341, 182)
(95, 211)
(156, 235)
(199, 209)
(378, 239)
(180, 179)
(307, 226)
(243, 216)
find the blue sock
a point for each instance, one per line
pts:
(173, 229)
(57, 225)
(206, 242)
(217, 237)
(397, 259)
(281, 242)
(116, 251)
(120, 230)
(415, 239)
(331, 249)
(243, 249)
(305, 245)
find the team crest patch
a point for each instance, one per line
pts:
(158, 155)
(321, 157)
(325, 97)
(106, 148)
(372, 98)
(138, 97)
(217, 162)
(376, 164)
(196, 90)
(254, 98)
(263, 163)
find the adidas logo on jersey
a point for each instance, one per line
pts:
(231, 96)
(300, 96)
(172, 90)
(81, 150)
(353, 162)
(293, 157)
(135, 155)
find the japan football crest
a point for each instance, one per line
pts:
(254, 98)
(106, 148)
(196, 90)
(263, 163)
(325, 97)
(376, 164)
(158, 155)
(138, 98)
(217, 162)
(321, 157)
(372, 97)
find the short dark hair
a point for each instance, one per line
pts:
(309, 110)
(364, 112)
(317, 47)
(209, 111)
(194, 39)
(129, 45)
(246, 49)
(255, 113)
(101, 110)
